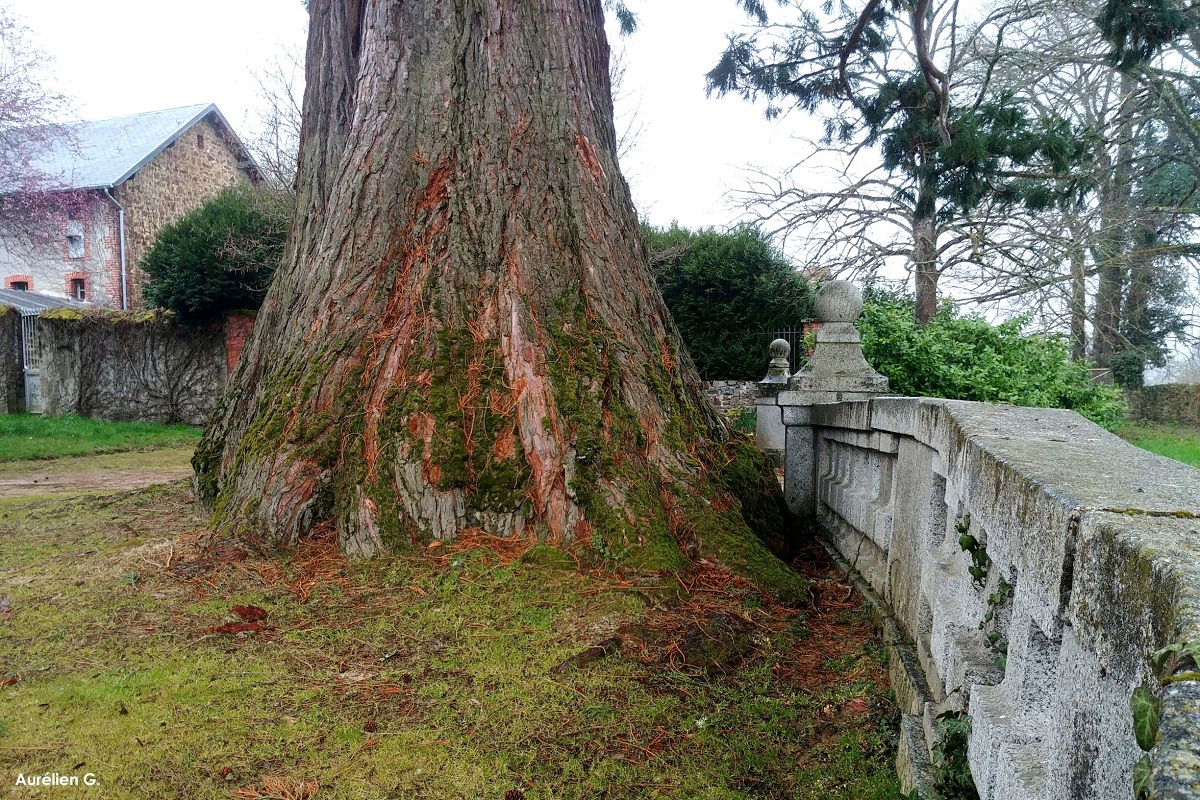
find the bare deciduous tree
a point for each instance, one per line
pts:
(30, 109)
(850, 215)
(274, 125)
(33, 200)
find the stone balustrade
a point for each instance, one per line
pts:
(1028, 565)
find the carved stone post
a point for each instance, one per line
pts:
(769, 431)
(835, 372)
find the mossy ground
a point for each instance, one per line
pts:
(1179, 442)
(426, 674)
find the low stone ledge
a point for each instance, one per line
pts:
(855, 415)
(1092, 546)
(895, 414)
(730, 395)
(1176, 771)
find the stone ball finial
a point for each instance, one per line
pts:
(838, 301)
(777, 370)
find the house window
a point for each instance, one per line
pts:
(75, 248)
(79, 288)
(199, 141)
(20, 286)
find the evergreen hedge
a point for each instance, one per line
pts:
(728, 294)
(220, 257)
(966, 358)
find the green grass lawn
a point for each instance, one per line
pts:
(434, 673)
(30, 436)
(1173, 441)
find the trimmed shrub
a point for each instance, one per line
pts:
(220, 257)
(966, 358)
(727, 293)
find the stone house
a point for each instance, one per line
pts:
(114, 184)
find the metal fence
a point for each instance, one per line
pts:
(30, 356)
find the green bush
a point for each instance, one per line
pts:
(220, 257)
(1128, 368)
(728, 292)
(965, 358)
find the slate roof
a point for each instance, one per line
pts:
(105, 153)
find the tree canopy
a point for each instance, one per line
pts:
(871, 70)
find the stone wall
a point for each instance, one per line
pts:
(176, 181)
(131, 366)
(1087, 562)
(730, 395)
(1168, 402)
(12, 376)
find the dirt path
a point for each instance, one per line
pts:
(108, 473)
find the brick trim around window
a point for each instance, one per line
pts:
(87, 285)
(11, 279)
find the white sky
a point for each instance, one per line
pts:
(117, 57)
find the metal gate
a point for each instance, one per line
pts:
(31, 361)
(794, 336)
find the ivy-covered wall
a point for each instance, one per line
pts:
(1168, 402)
(12, 379)
(131, 366)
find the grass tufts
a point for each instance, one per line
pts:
(1179, 442)
(32, 436)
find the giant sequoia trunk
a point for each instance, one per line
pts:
(465, 334)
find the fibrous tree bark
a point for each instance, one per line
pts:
(925, 269)
(464, 334)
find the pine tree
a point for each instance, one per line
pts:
(949, 157)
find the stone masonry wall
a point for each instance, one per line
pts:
(1087, 563)
(176, 181)
(12, 376)
(728, 395)
(1168, 402)
(130, 366)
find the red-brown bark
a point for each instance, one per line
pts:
(465, 332)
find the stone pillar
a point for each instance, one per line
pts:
(835, 372)
(769, 431)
